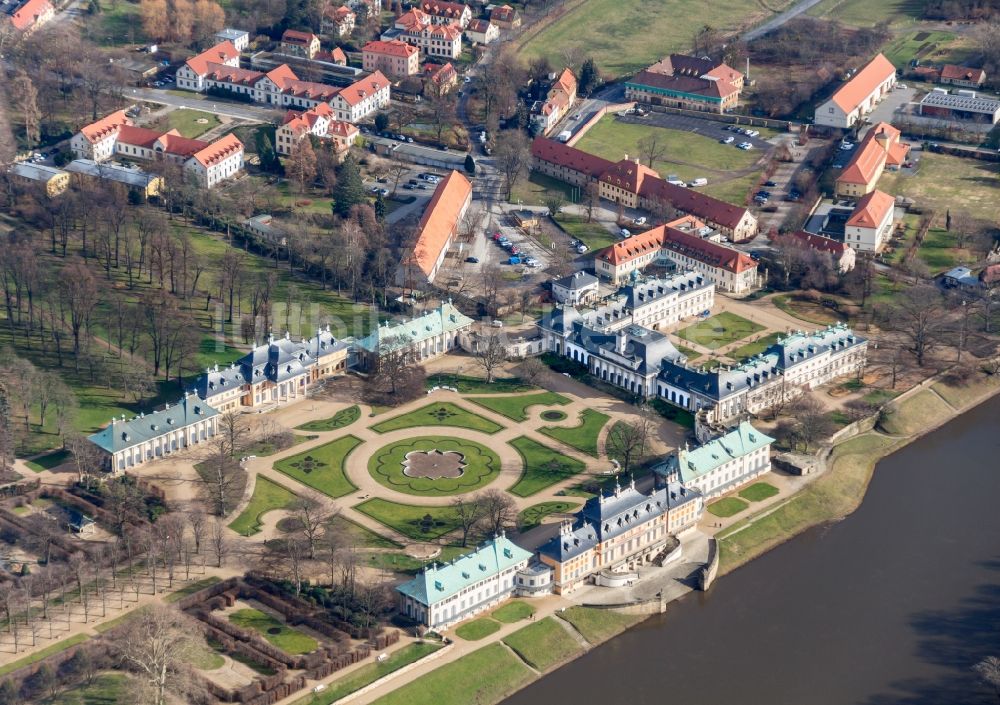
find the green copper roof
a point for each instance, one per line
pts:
(741, 441)
(445, 319)
(438, 582)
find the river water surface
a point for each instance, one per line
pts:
(891, 606)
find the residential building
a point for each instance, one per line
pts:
(616, 533)
(721, 465)
(881, 147)
(417, 28)
(335, 56)
(687, 82)
(558, 101)
(277, 372)
(132, 177)
(266, 230)
(393, 58)
(962, 76)
(843, 255)
(482, 32)
(439, 79)
(955, 106)
(632, 184)
(216, 162)
(319, 122)
(793, 364)
(859, 96)
(437, 229)
(239, 38)
(443, 594)
(362, 98)
(191, 76)
(304, 45)
(28, 16)
(124, 444)
(578, 289)
(453, 13)
(505, 17)
(54, 181)
(681, 242)
(97, 140)
(338, 21)
(960, 278)
(425, 337)
(870, 225)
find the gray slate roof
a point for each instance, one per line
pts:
(122, 434)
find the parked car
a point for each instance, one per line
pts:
(467, 79)
(581, 248)
(846, 146)
(472, 260)
(753, 133)
(515, 250)
(728, 140)
(514, 260)
(575, 117)
(625, 232)
(641, 220)
(770, 184)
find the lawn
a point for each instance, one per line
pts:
(865, 13)
(105, 689)
(370, 673)
(477, 385)
(719, 330)
(344, 417)
(943, 181)
(758, 492)
(917, 44)
(516, 408)
(939, 251)
(513, 611)
(807, 311)
(538, 188)
(417, 523)
(188, 122)
(543, 466)
(754, 348)
(597, 625)
(267, 496)
(593, 234)
(118, 24)
(726, 507)
(915, 414)
(582, 437)
(612, 41)
(612, 139)
(289, 640)
(532, 516)
(49, 460)
(43, 653)
(205, 658)
(477, 629)
(440, 414)
(544, 644)
(482, 466)
(359, 535)
(487, 675)
(322, 468)
(400, 562)
(191, 589)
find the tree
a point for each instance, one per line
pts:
(222, 473)
(531, 370)
(470, 164)
(155, 19)
(652, 148)
(590, 79)
(919, 315)
(499, 512)
(512, 157)
(988, 671)
(491, 352)
(208, 18)
(380, 208)
(300, 165)
(627, 440)
(158, 644)
(23, 88)
(469, 512)
(812, 422)
(350, 190)
(311, 521)
(381, 122)
(219, 542)
(396, 370)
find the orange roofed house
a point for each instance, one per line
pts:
(558, 101)
(29, 16)
(393, 58)
(338, 21)
(318, 121)
(962, 76)
(880, 148)
(455, 13)
(858, 96)
(418, 28)
(681, 242)
(870, 225)
(437, 230)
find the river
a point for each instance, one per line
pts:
(891, 606)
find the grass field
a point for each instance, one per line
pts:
(478, 629)
(192, 588)
(105, 689)
(751, 349)
(516, 408)
(758, 492)
(943, 181)
(719, 330)
(592, 234)
(399, 562)
(289, 640)
(865, 13)
(439, 414)
(612, 40)
(43, 653)
(478, 385)
(484, 676)
(807, 311)
(267, 496)
(726, 507)
(917, 44)
(409, 520)
(344, 417)
(536, 189)
(49, 460)
(543, 467)
(940, 252)
(598, 625)
(482, 466)
(513, 611)
(370, 673)
(544, 644)
(583, 437)
(915, 414)
(361, 537)
(322, 468)
(206, 659)
(186, 121)
(532, 516)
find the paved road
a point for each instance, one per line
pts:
(775, 22)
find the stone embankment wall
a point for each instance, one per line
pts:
(711, 569)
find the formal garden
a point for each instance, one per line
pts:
(434, 466)
(440, 414)
(720, 330)
(323, 468)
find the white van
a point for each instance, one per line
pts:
(698, 182)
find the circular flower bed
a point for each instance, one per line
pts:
(553, 415)
(434, 466)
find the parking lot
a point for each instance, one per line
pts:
(708, 128)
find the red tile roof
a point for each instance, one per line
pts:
(233, 74)
(628, 175)
(219, 150)
(107, 125)
(138, 136)
(414, 20)
(393, 47)
(445, 32)
(668, 237)
(952, 72)
(863, 84)
(294, 36)
(337, 56)
(440, 220)
(880, 146)
(569, 157)
(871, 209)
(440, 73)
(685, 84)
(708, 208)
(818, 242)
(505, 13)
(358, 91)
(478, 26)
(339, 14)
(219, 54)
(174, 143)
(28, 14)
(310, 90)
(453, 10)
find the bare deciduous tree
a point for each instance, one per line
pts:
(469, 512)
(627, 440)
(157, 645)
(499, 511)
(490, 351)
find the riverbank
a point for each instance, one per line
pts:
(841, 488)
